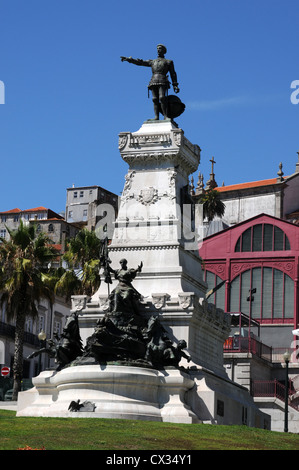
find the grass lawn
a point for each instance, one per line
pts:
(129, 435)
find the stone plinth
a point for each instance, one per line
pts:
(115, 391)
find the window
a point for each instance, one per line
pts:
(81, 193)
(262, 237)
(41, 323)
(3, 233)
(29, 325)
(218, 297)
(51, 228)
(57, 327)
(3, 218)
(75, 194)
(16, 218)
(85, 213)
(274, 296)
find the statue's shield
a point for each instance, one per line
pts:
(174, 106)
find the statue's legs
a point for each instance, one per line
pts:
(163, 100)
(159, 99)
(155, 94)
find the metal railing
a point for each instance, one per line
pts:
(248, 345)
(9, 330)
(272, 388)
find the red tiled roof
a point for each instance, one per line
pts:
(36, 209)
(252, 184)
(57, 246)
(17, 210)
(12, 211)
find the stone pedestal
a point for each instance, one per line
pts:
(112, 392)
(154, 222)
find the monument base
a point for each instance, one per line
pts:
(127, 392)
(112, 391)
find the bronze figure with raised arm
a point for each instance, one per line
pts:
(159, 83)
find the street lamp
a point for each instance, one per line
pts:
(286, 358)
(41, 336)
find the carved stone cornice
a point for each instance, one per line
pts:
(166, 144)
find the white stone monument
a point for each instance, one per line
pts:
(156, 224)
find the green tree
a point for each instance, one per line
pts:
(24, 281)
(82, 274)
(212, 204)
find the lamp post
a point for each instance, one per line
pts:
(286, 358)
(41, 336)
(250, 299)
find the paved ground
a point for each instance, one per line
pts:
(8, 405)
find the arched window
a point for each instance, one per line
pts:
(51, 228)
(262, 237)
(274, 296)
(218, 297)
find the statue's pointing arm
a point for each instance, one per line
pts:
(145, 63)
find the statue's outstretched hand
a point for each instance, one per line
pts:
(176, 89)
(127, 59)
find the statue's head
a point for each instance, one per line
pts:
(182, 344)
(123, 262)
(161, 48)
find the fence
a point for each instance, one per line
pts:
(249, 345)
(272, 388)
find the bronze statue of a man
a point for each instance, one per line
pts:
(159, 83)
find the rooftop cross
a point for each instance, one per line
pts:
(213, 163)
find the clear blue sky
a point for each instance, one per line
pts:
(68, 95)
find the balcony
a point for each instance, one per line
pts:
(9, 330)
(245, 339)
(240, 344)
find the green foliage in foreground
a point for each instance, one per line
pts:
(117, 434)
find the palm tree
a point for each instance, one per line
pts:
(82, 275)
(212, 204)
(24, 260)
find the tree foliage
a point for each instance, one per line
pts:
(82, 272)
(24, 280)
(212, 204)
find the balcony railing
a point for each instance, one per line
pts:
(272, 388)
(242, 344)
(9, 330)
